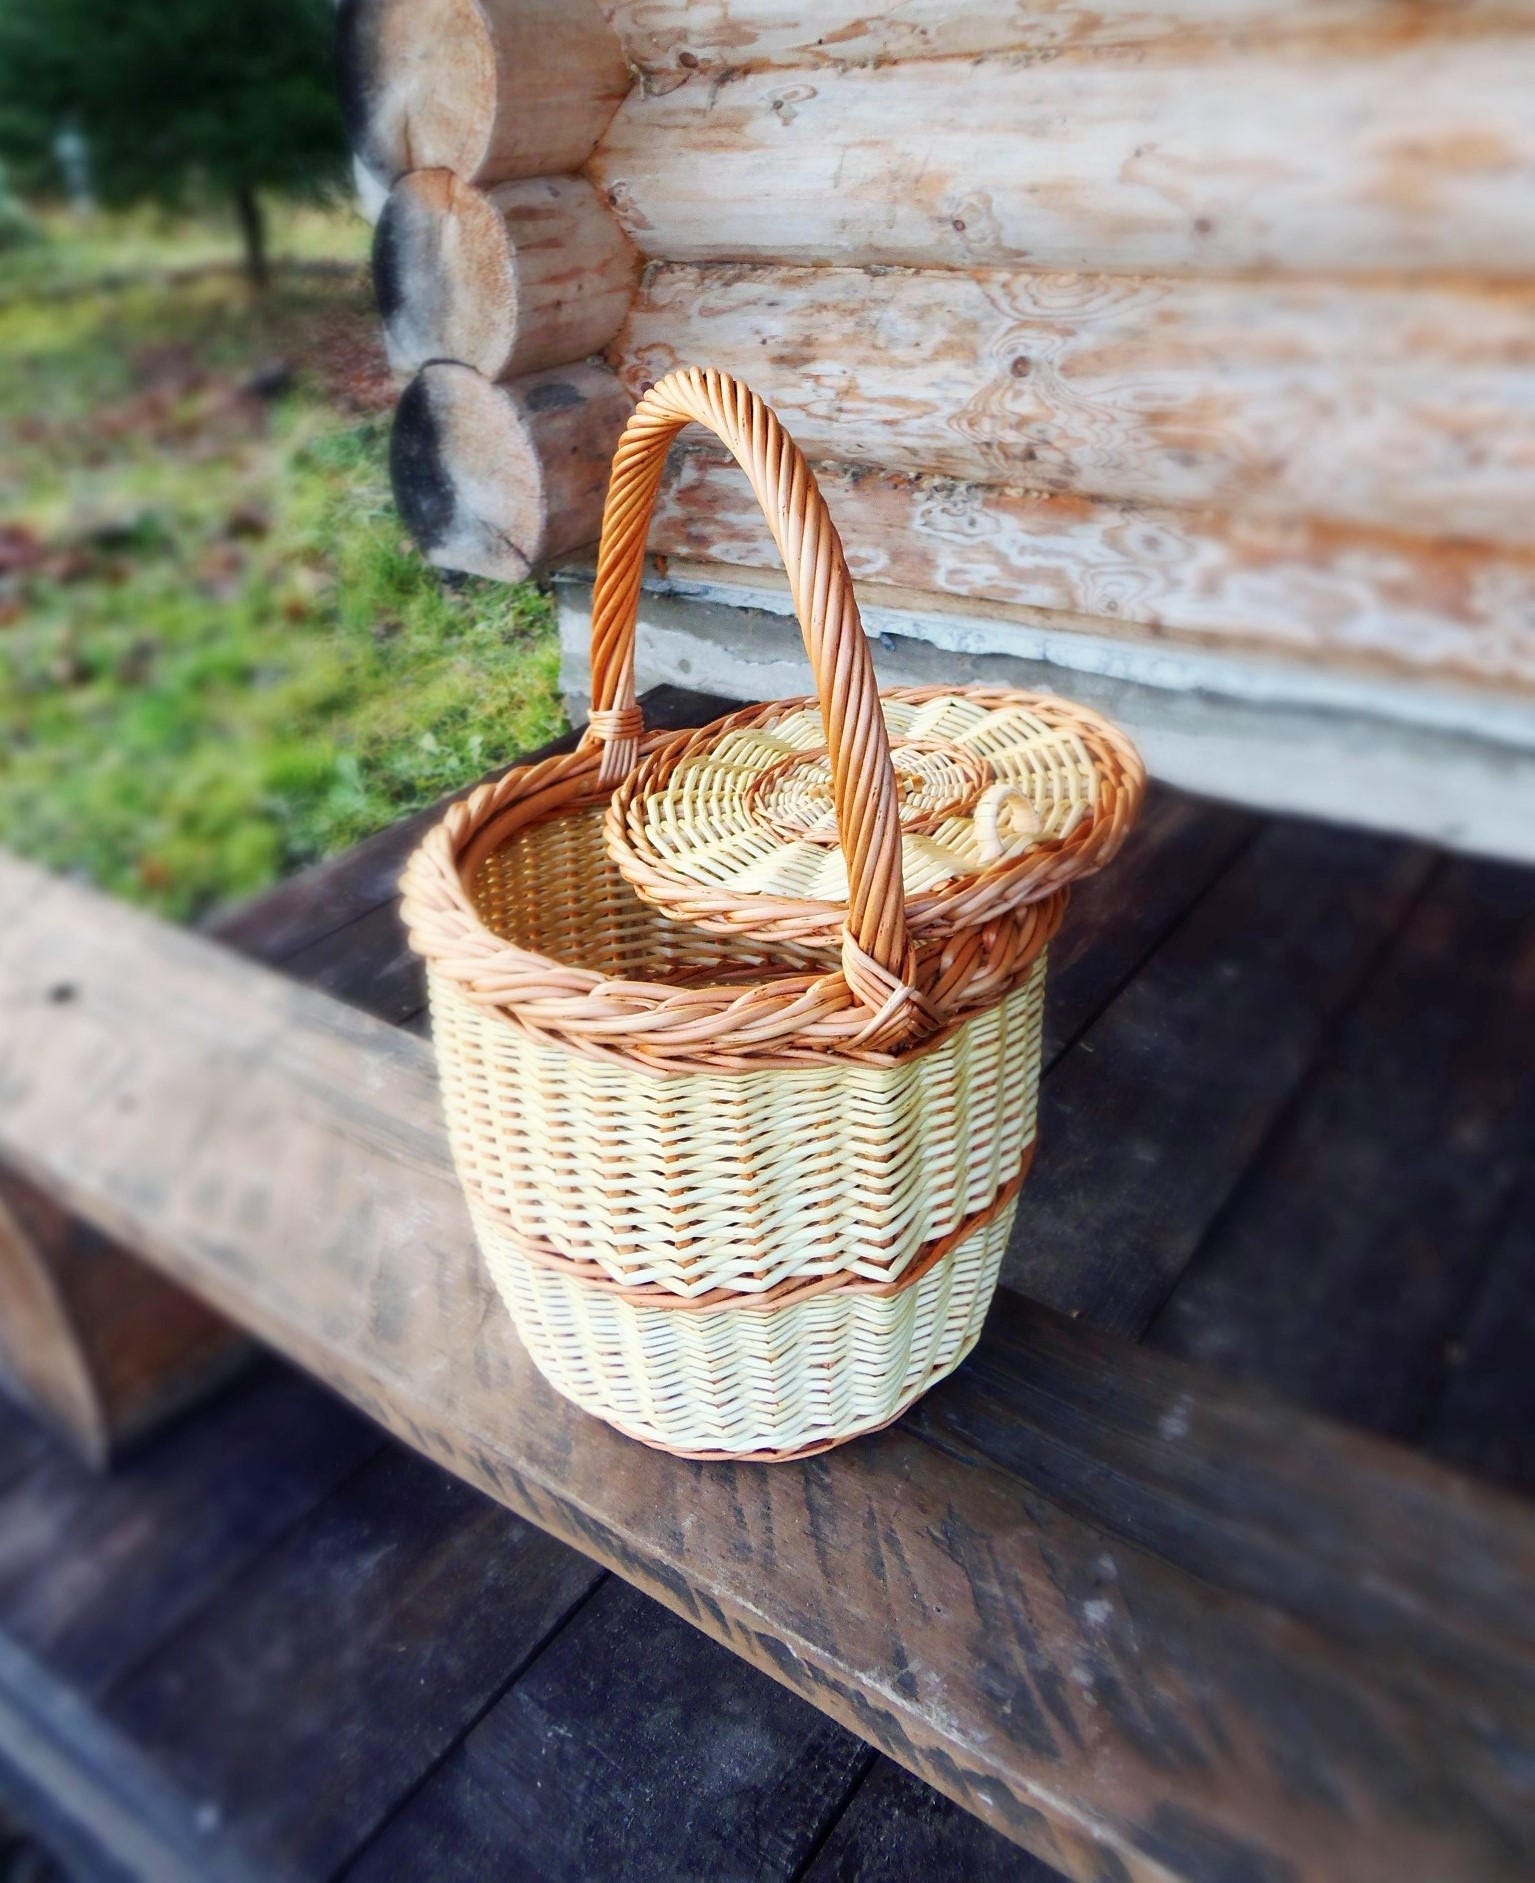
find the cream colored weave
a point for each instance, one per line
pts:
(746, 1381)
(695, 1181)
(739, 1029)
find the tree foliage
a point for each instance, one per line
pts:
(175, 98)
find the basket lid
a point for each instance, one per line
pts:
(1002, 797)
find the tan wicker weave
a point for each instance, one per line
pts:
(739, 1029)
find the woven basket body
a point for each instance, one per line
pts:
(739, 1030)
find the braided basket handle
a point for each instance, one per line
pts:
(876, 957)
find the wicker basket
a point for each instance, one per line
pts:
(739, 1029)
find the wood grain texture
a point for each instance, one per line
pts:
(1400, 154)
(497, 480)
(1180, 849)
(145, 1544)
(1348, 1262)
(670, 39)
(388, 1621)
(1483, 1415)
(1046, 1649)
(1407, 409)
(899, 1829)
(508, 280)
(634, 1748)
(1148, 1124)
(95, 1344)
(490, 89)
(101, 1812)
(1303, 591)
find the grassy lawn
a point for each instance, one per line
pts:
(219, 658)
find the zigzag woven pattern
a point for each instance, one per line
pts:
(739, 1181)
(783, 1382)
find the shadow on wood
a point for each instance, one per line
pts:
(98, 1346)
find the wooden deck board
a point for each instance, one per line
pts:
(1483, 1413)
(1117, 921)
(1345, 1267)
(94, 1571)
(347, 1660)
(1029, 1406)
(1149, 1122)
(636, 1748)
(896, 1827)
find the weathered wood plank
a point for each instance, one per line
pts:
(1150, 1122)
(1274, 1521)
(1484, 1415)
(104, 1811)
(1388, 407)
(670, 39)
(1400, 153)
(93, 1342)
(1344, 1266)
(144, 1545)
(1311, 591)
(899, 1830)
(346, 1662)
(1178, 849)
(22, 1442)
(633, 1748)
(369, 963)
(1084, 1692)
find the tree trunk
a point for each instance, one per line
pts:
(248, 215)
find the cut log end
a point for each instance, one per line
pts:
(490, 89)
(418, 83)
(444, 275)
(528, 275)
(498, 480)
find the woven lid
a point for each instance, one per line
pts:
(1002, 797)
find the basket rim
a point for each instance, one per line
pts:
(786, 1017)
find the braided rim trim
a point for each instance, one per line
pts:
(781, 1019)
(813, 1450)
(784, 1294)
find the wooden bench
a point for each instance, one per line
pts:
(1127, 1588)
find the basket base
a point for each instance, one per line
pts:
(767, 1457)
(753, 1383)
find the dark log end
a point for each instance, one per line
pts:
(417, 81)
(466, 476)
(443, 272)
(497, 480)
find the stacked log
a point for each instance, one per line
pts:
(496, 480)
(507, 280)
(1203, 319)
(499, 272)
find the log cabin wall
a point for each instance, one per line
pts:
(1183, 349)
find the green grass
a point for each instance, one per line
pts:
(61, 253)
(219, 659)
